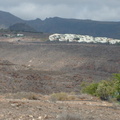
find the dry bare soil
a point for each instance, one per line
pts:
(47, 67)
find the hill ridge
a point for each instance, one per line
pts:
(65, 25)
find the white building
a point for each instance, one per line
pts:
(82, 38)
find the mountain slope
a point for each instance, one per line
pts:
(7, 19)
(22, 27)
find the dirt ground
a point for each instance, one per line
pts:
(45, 68)
(44, 109)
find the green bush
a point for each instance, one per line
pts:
(90, 89)
(105, 89)
(116, 79)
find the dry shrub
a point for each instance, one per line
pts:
(62, 96)
(23, 95)
(71, 97)
(33, 96)
(59, 96)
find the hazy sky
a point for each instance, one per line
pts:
(108, 10)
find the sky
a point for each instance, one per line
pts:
(100, 10)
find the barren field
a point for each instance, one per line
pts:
(47, 67)
(42, 109)
(54, 67)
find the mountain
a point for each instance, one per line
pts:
(36, 24)
(63, 25)
(76, 26)
(7, 19)
(22, 27)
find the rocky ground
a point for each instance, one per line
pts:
(44, 109)
(46, 67)
(38, 69)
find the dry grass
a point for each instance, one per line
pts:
(23, 95)
(62, 96)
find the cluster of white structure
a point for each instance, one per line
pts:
(82, 38)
